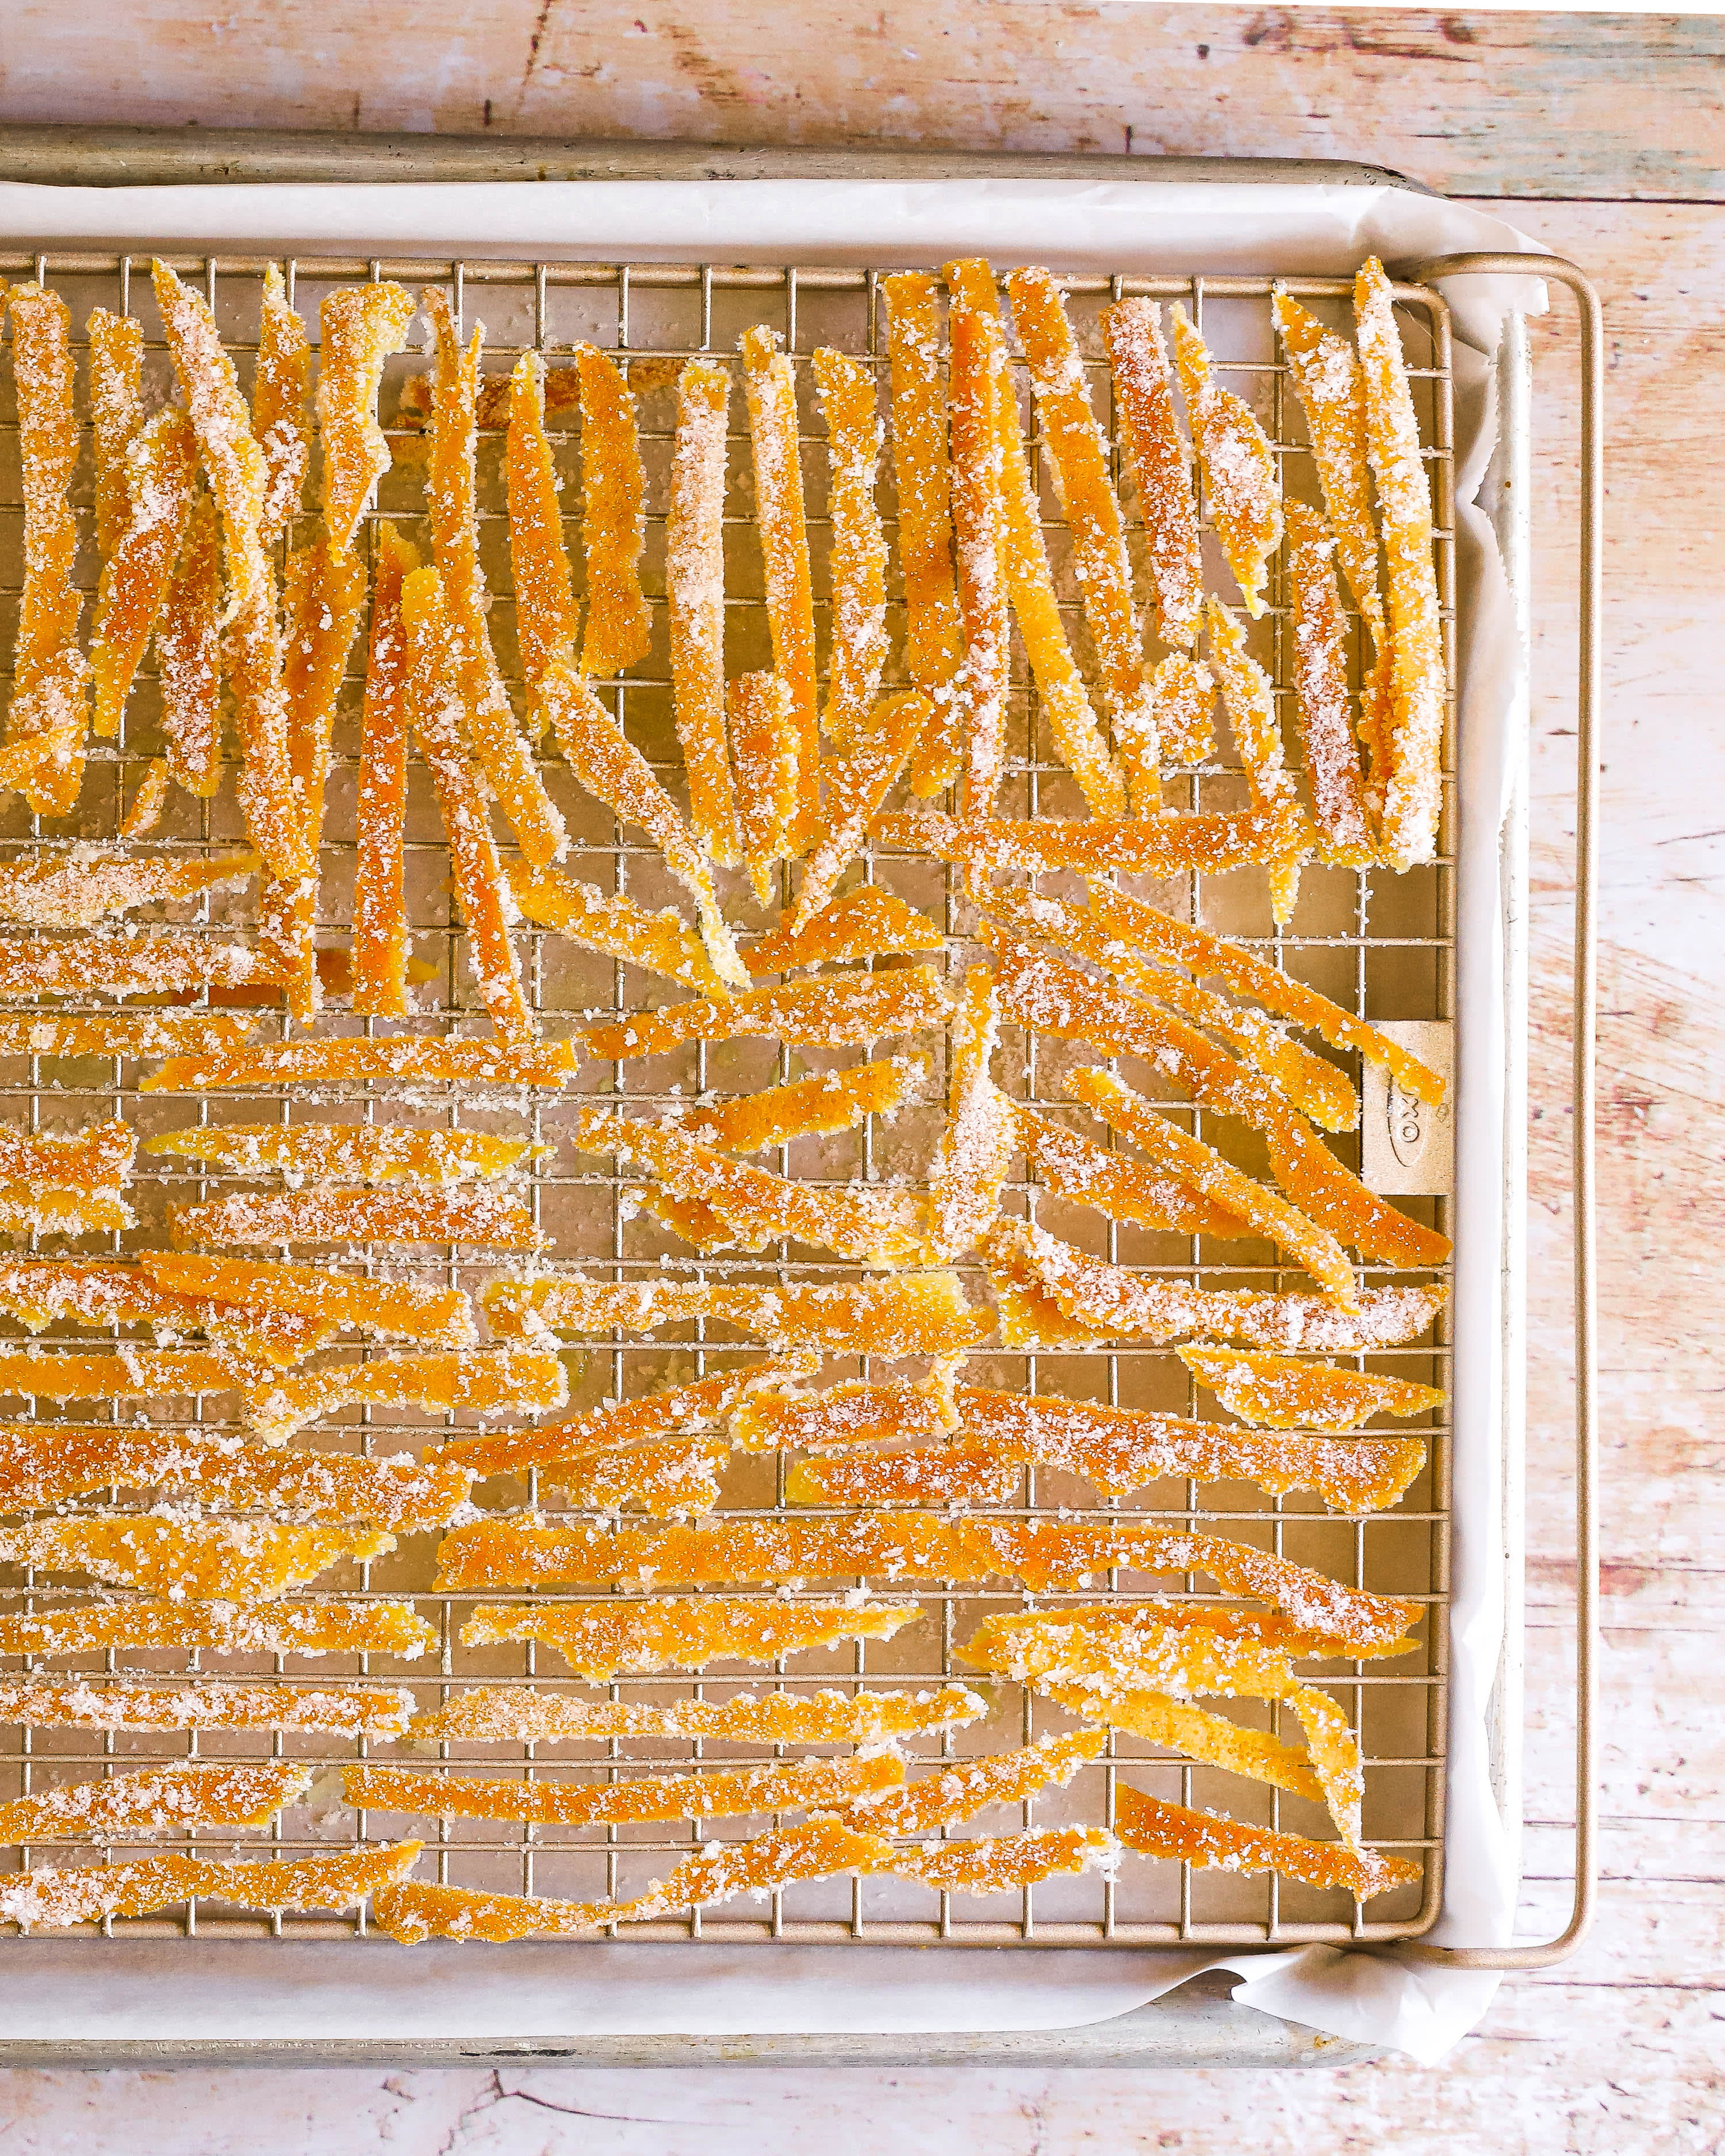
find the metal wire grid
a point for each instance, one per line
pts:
(1385, 946)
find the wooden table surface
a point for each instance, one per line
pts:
(1603, 137)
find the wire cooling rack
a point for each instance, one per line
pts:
(1382, 946)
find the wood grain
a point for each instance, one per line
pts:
(1523, 104)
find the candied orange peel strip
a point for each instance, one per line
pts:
(42, 1465)
(1249, 697)
(478, 1217)
(769, 385)
(278, 1628)
(792, 1785)
(602, 1640)
(834, 1010)
(87, 883)
(673, 1478)
(805, 1107)
(613, 526)
(695, 587)
(411, 1912)
(116, 414)
(1179, 943)
(614, 771)
(1123, 1623)
(380, 943)
(901, 1314)
(1161, 470)
(161, 468)
(517, 1551)
(82, 1704)
(279, 406)
(1210, 841)
(697, 1406)
(147, 801)
(223, 1560)
(156, 1801)
(1317, 1088)
(1413, 798)
(1120, 1450)
(857, 784)
(1183, 698)
(755, 1205)
(490, 723)
(547, 617)
(1211, 1842)
(513, 1717)
(1239, 465)
(858, 545)
(979, 1141)
(1123, 1302)
(28, 1208)
(440, 1317)
(1321, 701)
(842, 1416)
(960, 1792)
(45, 723)
(435, 711)
(40, 1290)
(407, 1059)
(239, 479)
(1074, 1167)
(866, 922)
(342, 1152)
(481, 1382)
(765, 749)
(614, 925)
(132, 1374)
(1328, 383)
(189, 655)
(976, 390)
(165, 962)
(1274, 1392)
(1195, 1732)
(1003, 1863)
(360, 326)
(45, 1901)
(934, 643)
(101, 1155)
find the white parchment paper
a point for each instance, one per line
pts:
(94, 1991)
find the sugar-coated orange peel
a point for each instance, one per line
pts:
(477, 1217)
(132, 1374)
(765, 747)
(163, 962)
(1001, 1863)
(979, 1140)
(189, 655)
(361, 326)
(844, 1415)
(1126, 1301)
(834, 1010)
(42, 1465)
(880, 744)
(1322, 704)
(857, 548)
(805, 1107)
(702, 1405)
(37, 1704)
(156, 1801)
(694, 588)
(279, 418)
(48, 1900)
(613, 770)
(160, 470)
(412, 1912)
(116, 415)
(28, 1208)
(1214, 1843)
(221, 1560)
(1249, 696)
(934, 645)
(669, 1478)
(278, 1628)
(516, 1716)
(1328, 383)
(1183, 698)
(404, 1058)
(871, 1226)
(88, 884)
(380, 942)
(614, 925)
(1208, 840)
(519, 1551)
(1275, 1392)
(347, 1152)
(44, 741)
(1074, 1167)
(959, 1791)
(1195, 1732)
(1240, 476)
(770, 387)
(976, 388)
(613, 524)
(438, 1317)
(1161, 470)
(547, 617)
(735, 1793)
(1126, 1622)
(99, 1157)
(603, 1640)
(490, 723)
(1413, 797)
(901, 1314)
(867, 921)
(482, 1381)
